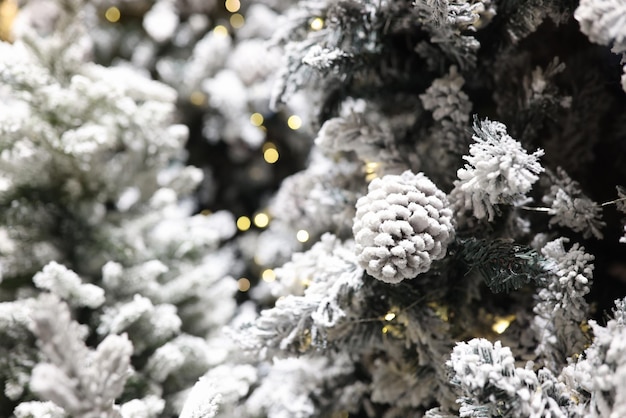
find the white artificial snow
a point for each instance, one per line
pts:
(161, 20)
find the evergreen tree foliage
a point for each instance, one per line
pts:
(335, 208)
(504, 265)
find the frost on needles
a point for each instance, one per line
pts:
(498, 170)
(414, 264)
(506, 256)
(96, 230)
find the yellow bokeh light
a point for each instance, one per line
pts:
(268, 145)
(237, 20)
(261, 220)
(502, 323)
(268, 275)
(256, 119)
(243, 284)
(294, 122)
(243, 223)
(112, 14)
(371, 167)
(8, 13)
(317, 23)
(302, 235)
(390, 316)
(220, 30)
(197, 98)
(232, 5)
(385, 329)
(270, 155)
(371, 170)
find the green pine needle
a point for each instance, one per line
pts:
(504, 265)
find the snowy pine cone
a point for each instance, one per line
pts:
(401, 226)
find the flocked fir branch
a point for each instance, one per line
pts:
(503, 264)
(451, 108)
(196, 405)
(490, 384)
(571, 208)
(603, 23)
(509, 177)
(107, 244)
(598, 374)
(561, 309)
(404, 267)
(33, 409)
(83, 382)
(498, 171)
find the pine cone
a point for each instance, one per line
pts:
(401, 226)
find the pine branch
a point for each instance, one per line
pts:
(504, 265)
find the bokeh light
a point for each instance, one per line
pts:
(294, 122)
(112, 14)
(261, 220)
(243, 284)
(243, 223)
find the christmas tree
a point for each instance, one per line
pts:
(343, 208)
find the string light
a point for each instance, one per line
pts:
(197, 98)
(302, 235)
(371, 170)
(243, 223)
(317, 23)
(393, 330)
(390, 316)
(256, 119)
(268, 275)
(8, 12)
(113, 14)
(220, 30)
(237, 20)
(261, 220)
(243, 284)
(502, 323)
(232, 5)
(294, 122)
(271, 155)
